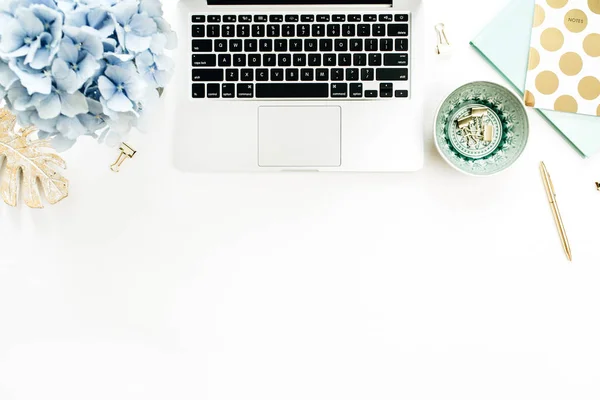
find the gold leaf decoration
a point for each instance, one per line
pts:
(34, 160)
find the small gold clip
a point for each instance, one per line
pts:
(598, 186)
(488, 133)
(126, 152)
(478, 112)
(443, 46)
(464, 122)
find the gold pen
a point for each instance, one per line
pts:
(554, 206)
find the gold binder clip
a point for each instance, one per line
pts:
(443, 46)
(126, 152)
(598, 186)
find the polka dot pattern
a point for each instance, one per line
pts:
(563, 73)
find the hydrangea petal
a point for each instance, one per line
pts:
(120, 103)
(34, 81)
(70, 128)
(49, 107)
(7, 76)
(137, 43)
(143, 25)
(106, 87)
(123, 11)
(73, 104)
(29, 22)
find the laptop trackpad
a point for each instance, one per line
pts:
(299, 136)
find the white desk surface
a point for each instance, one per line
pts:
(154, 284)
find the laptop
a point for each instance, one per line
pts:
(299, 85)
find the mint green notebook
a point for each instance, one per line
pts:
(504, 43)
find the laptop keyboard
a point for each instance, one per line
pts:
(300, 56)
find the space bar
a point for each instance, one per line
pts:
(291, 90)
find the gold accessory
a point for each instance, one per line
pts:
(126, 152)
(555, 211)
(35, 160)
(598, 186)
(443, 46)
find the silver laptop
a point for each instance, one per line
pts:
(293, 85)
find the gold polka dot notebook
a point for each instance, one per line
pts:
(564, 58)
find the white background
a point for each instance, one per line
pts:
(154, 284)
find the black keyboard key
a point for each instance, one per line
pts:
(360, 60)
(352, 74)
(329, 60)
(392, 74)
(201, 45)
(307, 18)
(258, 30)
(284, 60)
(292, 18)
(254, 60)
(221, 45)
(386, 45)
(243, 30)
(250, 45)
(288, 30)
(400, 60)
(323, 18)
(325, 44)
(375, 59)
(228, 31)
(299, 60)
(303, 30)
(265, 45)
(198, 19)
(295, 44)
(378, 30)
(371, 45)
(314, 60)
(207, 75)
(318, 30)
(307, 74)
(339, 90)
(333, 30)
(401, 17)
(280, 45)
(338, 18)
(292, 90)
(386, 18)
(356, 45)
(348, 30)
(214, 18)
(370, 18)
(367, 74)
(385, 93)
(371, 93)
(386, 86)
(262, 74)
(356, 90)
(401, 93)
(344, 60)
(354, 18)
(337, 74)
(229, 18)
(364, 30)
(291, 74)
(213, 31)
(198, 31)
(239, 60)
(277, 74)
(247, 74)
(260, 18)
(235, 45)
(228, 90)
(322, 74)
(401, 45)
(398, 30)
(269, 60)
(273, 31)
(310, 45)
(276, 18)
(245, 18)
(213, 90)
(341, 44)
(224, 60)
(245, 90)
(198, 91)
(204, 60)
(232, 74)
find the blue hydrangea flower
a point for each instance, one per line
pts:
(33, 33)
(35, 80)
(121, 87)
(155, 68)
(134, 30)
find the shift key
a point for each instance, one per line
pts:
(207, 75)
(392, 74)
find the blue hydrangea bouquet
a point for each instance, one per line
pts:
(76, 68)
